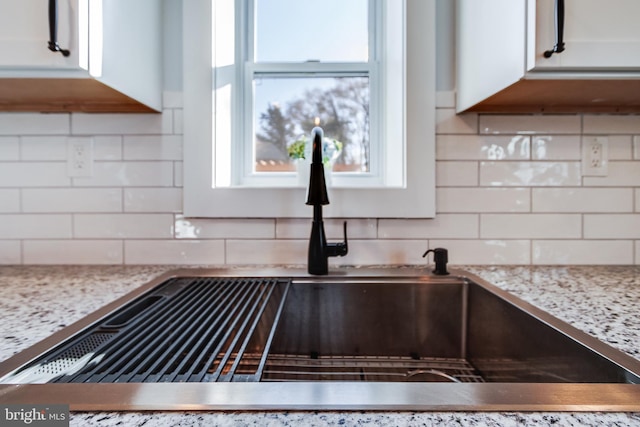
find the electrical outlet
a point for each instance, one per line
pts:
(79, 157)
(595, 156)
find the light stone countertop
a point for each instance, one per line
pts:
(604, 301)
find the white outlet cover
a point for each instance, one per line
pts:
(595, 150)
(79, 157)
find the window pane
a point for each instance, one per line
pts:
(286, 109)
(310, 30)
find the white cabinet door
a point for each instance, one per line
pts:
(24, 34)
(598, 35)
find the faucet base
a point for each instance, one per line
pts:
(318, 262)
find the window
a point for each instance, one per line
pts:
(256, 80)
(307, 68)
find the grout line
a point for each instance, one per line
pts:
(225, 256)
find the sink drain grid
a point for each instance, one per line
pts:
(280, 367)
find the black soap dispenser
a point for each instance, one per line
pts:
(440, 257)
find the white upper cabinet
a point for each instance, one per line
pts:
(25, 34)
(598, 35)
(502, 65)
(109, 57)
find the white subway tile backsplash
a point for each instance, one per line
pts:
(265, 252)
(73, 252)
(296, 228)
(611, 124)
(34, 174)
(72, 200)
(123, 226)
(178, 122)
(107, 148)
(456, 174)
(121, 124)
(620, 174)
(154, 147)
(454, 226)
(616, 226)
(582, 252)
(228, 228)
(379, 252)
(9, 200)
(509, 191)
(192, 252)
(492, 252)
(483, 147)
(54, 148)
(556, 147)
(129, 174)
(10, 252)
(530, 174)
(587, 200)
(620, 147)
(177, 174)
(529, 124)
(448, 122)
(35, 226)
(473, 200)
(9, 149)
(44, 148)
(149, 199)
(530, 226)
(34, 124)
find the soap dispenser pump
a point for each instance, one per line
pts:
(440, 257)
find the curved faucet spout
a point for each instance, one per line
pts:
(319, 249)
(317, 191)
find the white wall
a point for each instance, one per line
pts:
(509, 190)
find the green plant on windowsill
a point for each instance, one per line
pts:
(296, 149)
(331, 149)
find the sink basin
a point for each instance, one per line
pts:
(279, 339)
(445, 330)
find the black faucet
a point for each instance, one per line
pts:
(319, 249)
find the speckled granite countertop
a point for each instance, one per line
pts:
(36, 301)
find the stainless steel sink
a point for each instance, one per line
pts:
(279, 339)
(444, 330)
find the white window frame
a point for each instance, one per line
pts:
(409, 191)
